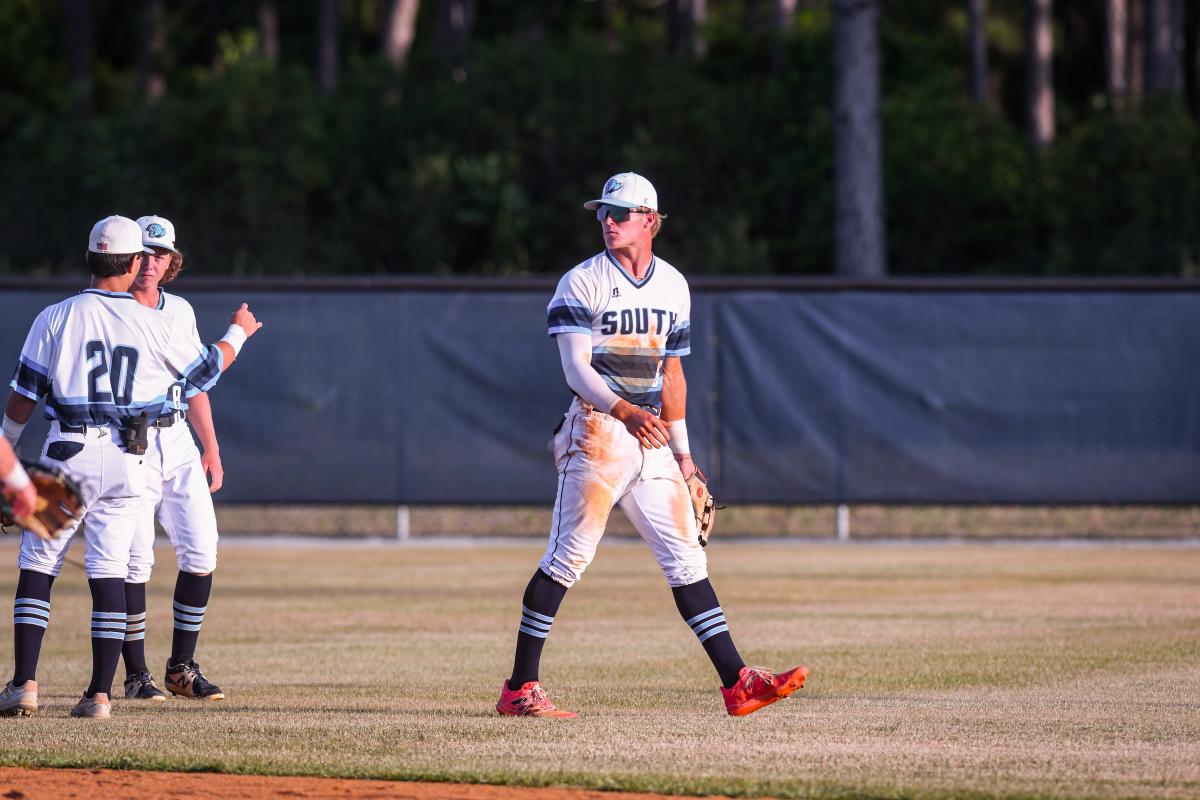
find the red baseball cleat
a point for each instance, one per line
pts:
(529, 701)
(758, 687)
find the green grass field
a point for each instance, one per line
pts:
(938, 671)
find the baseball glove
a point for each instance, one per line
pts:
(59, 503)
(703, 504)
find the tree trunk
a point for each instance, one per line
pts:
(1159, 72)
(78, 24)
(1162, 48)
(1116, 34)
(1040, 75)
(1196, 60)
(216, 26)
(268, 30)
(685, 20)
(1136, 51)
(859, 235)
(454, 21)
(399, 32)
(153, 31)
(977, 44)
(783, 15)
(327, 46)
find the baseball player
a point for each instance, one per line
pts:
(621, 320)
(103, 363)
(178, 493)
(14, 483)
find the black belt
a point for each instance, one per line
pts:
(165, 421)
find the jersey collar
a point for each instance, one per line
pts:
(162, 300)
(628, 277)
(106, 293)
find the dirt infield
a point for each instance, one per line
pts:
(36, 784)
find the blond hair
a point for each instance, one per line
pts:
(173, 270)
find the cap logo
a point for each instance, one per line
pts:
(156, 231)
(613, 186)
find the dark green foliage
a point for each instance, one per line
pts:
(484, 171)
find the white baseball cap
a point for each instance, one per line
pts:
(157, 232)
(117, 235)
(627, 190)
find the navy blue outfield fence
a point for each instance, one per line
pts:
(418, 390)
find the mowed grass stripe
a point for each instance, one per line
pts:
(956, 671)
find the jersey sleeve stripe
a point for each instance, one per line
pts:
(30, 379)
(204, 371)
(679, 343)
(560, 317)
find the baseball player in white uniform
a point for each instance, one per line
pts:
(177, 493)
(621, 320)
(104, 365)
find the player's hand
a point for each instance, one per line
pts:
(210, 462)
(244, 318)
(686, 465)
(24, 500)
(648, 429)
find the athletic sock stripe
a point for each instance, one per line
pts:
(182, 627)
(30, 611)
(704, 615)
(108, 615)
(535, 615)
(33, 601)
(190, 609)
(137, 617)
(109, 625)
(714, 632)
(135, 627)
(133, 637)
(41, 623)
(533, 632)
(189, 617)
(108, 635)
(708, 623)
(545, 626)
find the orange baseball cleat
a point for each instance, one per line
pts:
(757, 688)
(528, 701)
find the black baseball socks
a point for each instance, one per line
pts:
(538, 607)
(31, 615)
(134, 648)
(191, 602)
(108, 631)
(697, 604)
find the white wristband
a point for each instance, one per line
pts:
(679, 440)
(17, 479)
(12, 431)
(235, 337)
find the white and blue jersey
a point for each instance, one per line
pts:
(181, 309)
(634, 325)
(100, 356)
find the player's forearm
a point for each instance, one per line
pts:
(19, 408)
(199, 416)
(674, 391)
(16, 414)
(575, 352)
(8, 460)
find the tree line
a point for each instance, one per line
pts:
(1018, 137)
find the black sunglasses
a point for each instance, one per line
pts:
(618, 213)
